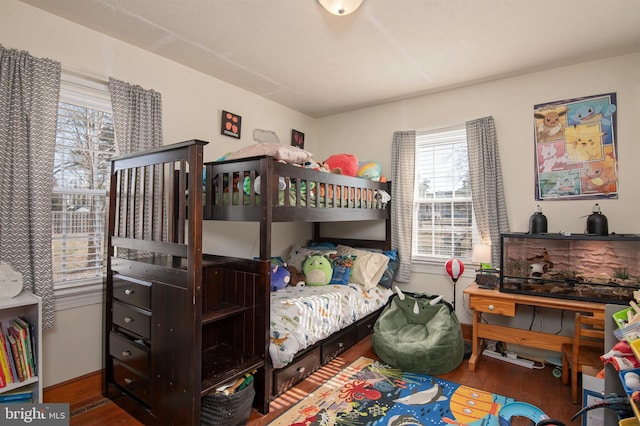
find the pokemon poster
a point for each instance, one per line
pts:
(576, 149)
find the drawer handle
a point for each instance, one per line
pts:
(491, 307)
(126, 353)
(128, 381)
(301, 370)
(128, 319)
(129, 292)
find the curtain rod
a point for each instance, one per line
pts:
(74, 74)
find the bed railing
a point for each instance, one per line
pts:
(234, 191)
(146, 214)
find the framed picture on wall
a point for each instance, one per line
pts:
(576, 155)
(297, 138)
(231, 124)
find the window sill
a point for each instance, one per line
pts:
(71, 296)
(434, 267)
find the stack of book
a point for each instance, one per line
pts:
(19, 396)
(17, 352)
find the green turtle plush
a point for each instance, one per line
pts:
(317, 270)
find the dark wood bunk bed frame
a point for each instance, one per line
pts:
(179, 323)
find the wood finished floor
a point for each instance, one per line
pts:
(537, 387)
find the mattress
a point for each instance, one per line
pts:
(302, 316)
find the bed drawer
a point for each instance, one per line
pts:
(130, 353)
(298, 370)
(132, 291)
(131, 381)
(365, 327)
(132, 319)
(337, 344)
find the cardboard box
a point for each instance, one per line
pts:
(592, 393)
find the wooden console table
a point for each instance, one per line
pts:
(499, 303)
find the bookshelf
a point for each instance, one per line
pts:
(28, 306)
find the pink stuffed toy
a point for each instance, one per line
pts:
(347, 163)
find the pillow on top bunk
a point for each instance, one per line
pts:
(368, 266)
(287, 153)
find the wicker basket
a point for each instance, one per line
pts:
(227, 410)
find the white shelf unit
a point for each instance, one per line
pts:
(28, 306)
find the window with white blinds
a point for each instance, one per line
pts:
(84, 145)
(443, 221)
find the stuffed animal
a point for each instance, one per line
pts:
(370, 170)
(297, 277)
(317, 270)
(347, 163)
(280, 277)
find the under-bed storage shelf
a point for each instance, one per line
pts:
(222, 363)
(221, 311)
(233, 296)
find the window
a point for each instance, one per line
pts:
(443, 221)
(84, 145)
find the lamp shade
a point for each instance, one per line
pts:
(481, 253)
(340, 7)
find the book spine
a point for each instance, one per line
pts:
(30, 347)
(22, 335)
(26, 326)
(16, 336)
(21, 397)
(16, 357)
(3, 381)
(3, 361)
(6, 349)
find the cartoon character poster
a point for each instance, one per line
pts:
(576, 148)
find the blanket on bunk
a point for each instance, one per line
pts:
(302, 316)
(372, 199)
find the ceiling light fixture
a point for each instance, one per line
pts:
(340, 7)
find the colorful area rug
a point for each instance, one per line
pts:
(369, 392)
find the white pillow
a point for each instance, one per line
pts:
(288, 153)
(368, 266)
(298, 254)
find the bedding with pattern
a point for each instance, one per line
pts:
(302, 316)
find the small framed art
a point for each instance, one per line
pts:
(231, 124)
(297, 138)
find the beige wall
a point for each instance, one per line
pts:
(191, 108)
(368, 133)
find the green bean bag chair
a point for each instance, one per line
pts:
(419, 334)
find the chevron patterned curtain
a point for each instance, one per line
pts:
(487, 192)
(29, 91)
(403, 151)
(137, 116)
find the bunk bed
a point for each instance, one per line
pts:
(179, 323)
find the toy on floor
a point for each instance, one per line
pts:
(618, 403)
(557, 366)
(526, 410)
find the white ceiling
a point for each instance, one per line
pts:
(296, 54)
